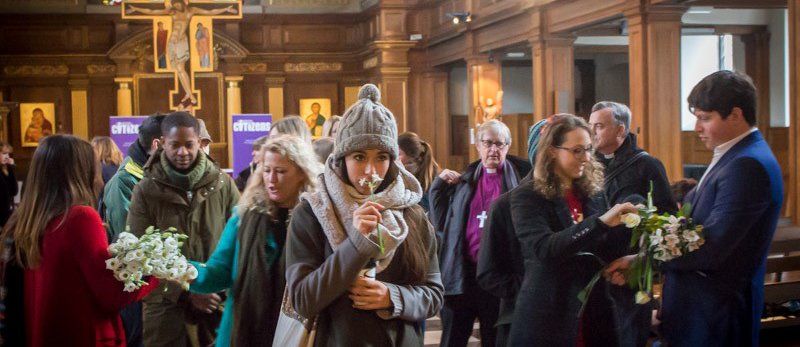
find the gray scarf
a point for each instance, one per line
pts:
(334, 202)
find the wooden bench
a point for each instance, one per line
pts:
(784, 257)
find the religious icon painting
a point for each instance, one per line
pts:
(202, 44)
(36, 121)
(161, 30)
(315, 112)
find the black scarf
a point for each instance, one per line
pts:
(137, 153)
(258, 288)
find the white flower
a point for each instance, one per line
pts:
(656, 238)
(170, 244)
(112, 264)
(631, 220)
(690, 236)
(642, 297)
(123, 275)
(376, 179)
(362, 182)
(131, 287)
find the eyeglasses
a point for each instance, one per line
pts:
(578, 151)
(489, 144)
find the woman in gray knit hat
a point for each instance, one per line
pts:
(361, 255)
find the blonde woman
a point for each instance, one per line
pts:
(109, 154)
(248, 257)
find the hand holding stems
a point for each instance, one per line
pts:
(369, 294)
(613, 217)
(615, 272)
(367, 217)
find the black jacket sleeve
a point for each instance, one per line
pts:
(500, 269)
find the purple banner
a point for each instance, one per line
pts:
(246, 128)
(125, 130)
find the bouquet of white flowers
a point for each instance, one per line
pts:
(660, 238)
(156, 254)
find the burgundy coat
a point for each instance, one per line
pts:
(71, 299)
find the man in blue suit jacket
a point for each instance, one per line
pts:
(713, 296)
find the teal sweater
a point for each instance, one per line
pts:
(220, 271)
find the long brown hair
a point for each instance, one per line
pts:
(545, 179)
(422, 153)
(64, 172)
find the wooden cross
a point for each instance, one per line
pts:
(183, 32)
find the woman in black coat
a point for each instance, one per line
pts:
(555, 218)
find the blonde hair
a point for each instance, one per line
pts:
(293, 149)
(545, 179)
(291, 125)
(50, 195)
(106, 150)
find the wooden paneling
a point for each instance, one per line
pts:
(254, 94)
(518, 124)
(571, 15)
(42, 34)
(102, 104)
(793, 205)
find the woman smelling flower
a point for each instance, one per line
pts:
(336, 231)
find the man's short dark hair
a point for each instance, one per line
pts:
(179, 119)
(150, 129)
(722, 91)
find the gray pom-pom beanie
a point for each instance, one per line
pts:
(367, 124)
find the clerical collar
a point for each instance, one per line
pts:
(608, 156)
(491, 171)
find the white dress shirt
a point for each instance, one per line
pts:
(720, 150)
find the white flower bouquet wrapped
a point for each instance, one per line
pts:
(156, 254)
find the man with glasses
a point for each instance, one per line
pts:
(628, 171)
(460, 205)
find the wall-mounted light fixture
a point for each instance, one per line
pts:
(460, 17)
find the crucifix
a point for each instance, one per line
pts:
(482, 217)
(173, 23)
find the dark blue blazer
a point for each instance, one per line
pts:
(713, 296)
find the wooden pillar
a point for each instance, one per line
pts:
(654, 36)
(275, 97)
(390, 72)
(234, 95)
(79, 96)
(756, 48)
(794, 110)
(124, 107)
(5, 112)
(485, 81)
(553, 62)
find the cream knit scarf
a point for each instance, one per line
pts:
(334, 202)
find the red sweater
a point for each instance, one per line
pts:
(71, 299)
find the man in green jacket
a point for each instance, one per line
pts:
(182, 188)
(118, 190)
(117, 198)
